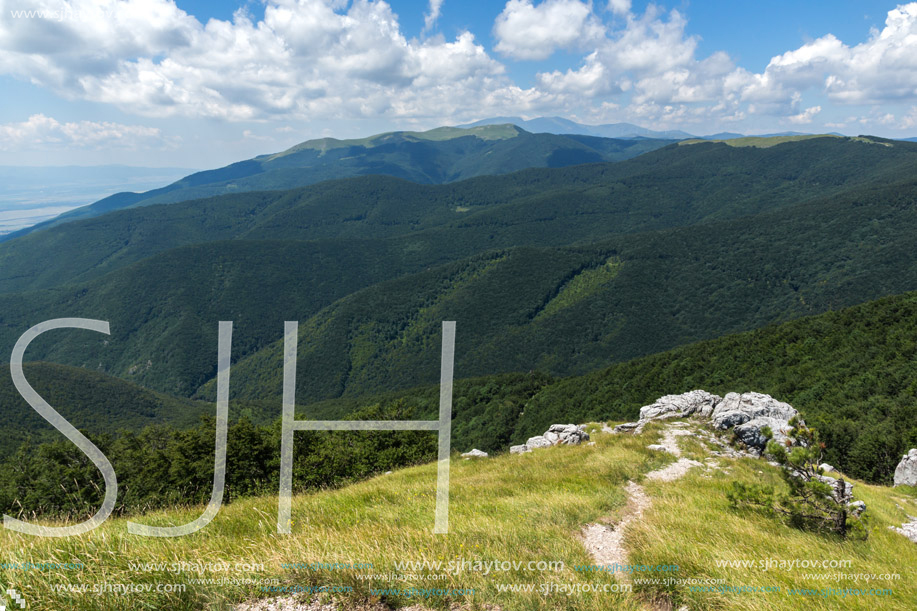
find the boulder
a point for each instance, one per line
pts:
(856, 508)
(909, 529)
(826, 467)
(752, 435)
(736, 409)
(698, 402)
(749, 413)
(694, 403)
(557, 434)
(474, 454)
(906, 472)
(538, 442)
(567, 434)
(573, 434)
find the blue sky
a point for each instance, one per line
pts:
(202, 83)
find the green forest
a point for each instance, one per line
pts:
(580, 293)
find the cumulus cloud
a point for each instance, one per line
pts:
(589, 80)
(654, 61)
(805, 116)
(318, 59)
(910, 120)
(881, 70)
(432, 16)
(306, 59)
(528, 31)
(619, 7)
(42, 131)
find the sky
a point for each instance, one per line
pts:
(202, 83)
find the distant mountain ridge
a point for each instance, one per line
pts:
(580, 204)
(437, 156)
(560, 125)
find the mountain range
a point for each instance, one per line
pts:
(491, 146)
(561, 125)
(329, 255)
(433, 157)
(556, 270)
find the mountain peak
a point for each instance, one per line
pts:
(490, 131)
(560, 125)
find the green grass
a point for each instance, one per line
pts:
(582, 286)
(769, 141)
(484, 132)
(761, 142)
(692, 525)
(527, 507)
(439, 134)
(510, 507)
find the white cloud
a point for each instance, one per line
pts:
(910, 120)
(41, 131)
(589, 80)
(313, 60)
(651, 45)
(432, 16)
(619, 7)
(306, 59)
(653, 60)
(881, 70)
(526, 31)
(805, 116)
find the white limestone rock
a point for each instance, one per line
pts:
(906, 472)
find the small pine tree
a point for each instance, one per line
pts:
(813, 501)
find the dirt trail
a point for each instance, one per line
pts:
(605, 543)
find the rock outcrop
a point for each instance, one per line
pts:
(906, 472)
(696, 402)
(748, 414)
(474, 454)
(557, 434)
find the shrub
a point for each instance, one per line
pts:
(812, 501)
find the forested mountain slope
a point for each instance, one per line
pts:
(433, 157)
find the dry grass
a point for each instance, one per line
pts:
(516, 508)
(521, 508)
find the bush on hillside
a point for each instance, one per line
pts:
(812, 501)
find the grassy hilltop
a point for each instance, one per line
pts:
(513, 507)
